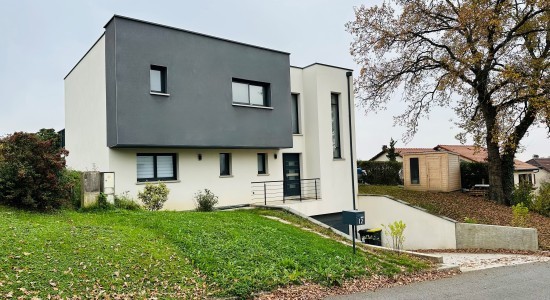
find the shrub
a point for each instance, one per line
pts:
(31, 171)
(205, 201)
(382, 172)
(470, 220)
(520, 216)
(523, 193)
(72, 181)
(154, 196)
(472, 173)
(541, 203)
(124, 201)
(102, 201)
(396, 230)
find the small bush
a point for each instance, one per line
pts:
(102, 201)
(396, 230)
(523, 193)
(154, 196)
(470, 220)
(541, 203)
(72, 180)
(205, 201)
(381, 172)
(520, 216)
(124, 201)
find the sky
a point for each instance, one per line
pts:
(43, 40)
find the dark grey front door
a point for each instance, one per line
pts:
(291, 171)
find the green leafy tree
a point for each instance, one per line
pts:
(489, 60)
(392, 155)
(31, 172)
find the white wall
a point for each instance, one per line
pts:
(542, 176)
(423, 231)
(85, 112)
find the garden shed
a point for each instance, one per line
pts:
(431, 171)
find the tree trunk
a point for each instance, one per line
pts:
(496, 191)
(507, 165)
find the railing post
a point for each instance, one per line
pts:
(316, 189)
(265, 195)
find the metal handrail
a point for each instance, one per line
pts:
(274, 190)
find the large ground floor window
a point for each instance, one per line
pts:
(156, 166)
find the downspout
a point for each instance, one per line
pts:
(353, 171)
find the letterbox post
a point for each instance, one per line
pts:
(353, 218)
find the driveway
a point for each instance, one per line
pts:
(524, 281)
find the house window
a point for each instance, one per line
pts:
(156, 167)
(250, 92)
(295, 114)
(525, 178)
(225, 164)
(335, 113)
(262, 163)
(415, 172)
(158, 79)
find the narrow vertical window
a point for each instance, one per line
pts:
(225, 164)
(335, 113)
(262, 163)
(415, 172)
(158, 79)
(295, 114)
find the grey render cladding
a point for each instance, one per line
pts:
(199, 111)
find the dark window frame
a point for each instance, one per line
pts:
(266, 88)
(336, 142)
(155, 167)
(415, 170)
(262, 162)
(163, 78)
(227, 164)
(295, 109)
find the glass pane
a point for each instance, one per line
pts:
(156, 81)
(335, 127)
(165, 167)
(145, 167)
(257, 95)
(294, 111)
(261, 163)
(224, 164)
(240, 92)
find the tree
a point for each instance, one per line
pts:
(487, 59)
(392, 155)
(31, 171)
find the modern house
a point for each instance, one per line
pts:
(543, 174)
(156, 103)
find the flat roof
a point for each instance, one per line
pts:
(324, 65)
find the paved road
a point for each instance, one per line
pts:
(527, 281)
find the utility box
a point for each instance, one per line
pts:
(108, 185)
(353, 217)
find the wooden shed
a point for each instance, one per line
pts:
(437, 171)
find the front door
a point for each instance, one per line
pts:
(434, 173)
(291, 171)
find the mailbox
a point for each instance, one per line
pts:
(353, 217)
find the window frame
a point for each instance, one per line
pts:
(264, 163)
(414, 173)
(295, 109)
(155, 167)
(226, 163)
(163, 79)
(336, 142)
(266, 92)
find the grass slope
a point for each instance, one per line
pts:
(170, 255)
(460, 206)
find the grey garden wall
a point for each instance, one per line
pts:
(474, 236)
(199, 110)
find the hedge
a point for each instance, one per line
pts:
(382, 172)
(472, 173)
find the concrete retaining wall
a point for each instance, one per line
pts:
(495, 237)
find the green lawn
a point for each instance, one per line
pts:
(140, 254)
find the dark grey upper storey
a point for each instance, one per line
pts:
(199, 111)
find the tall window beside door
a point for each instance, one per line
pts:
(335, 114)
(295, 114)
(415, 172)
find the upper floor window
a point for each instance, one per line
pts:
(250, 92)
(335, 114)
(295, 114)
(156, 167)
(158, 79)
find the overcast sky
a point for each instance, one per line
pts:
(43, 40)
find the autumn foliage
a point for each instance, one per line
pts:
(31, 171)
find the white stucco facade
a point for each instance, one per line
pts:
(85, 121)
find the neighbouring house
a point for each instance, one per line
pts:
(156, 103)
(431, 171)
(543, 174)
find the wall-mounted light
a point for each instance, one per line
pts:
(275, 155)
(199, 156)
